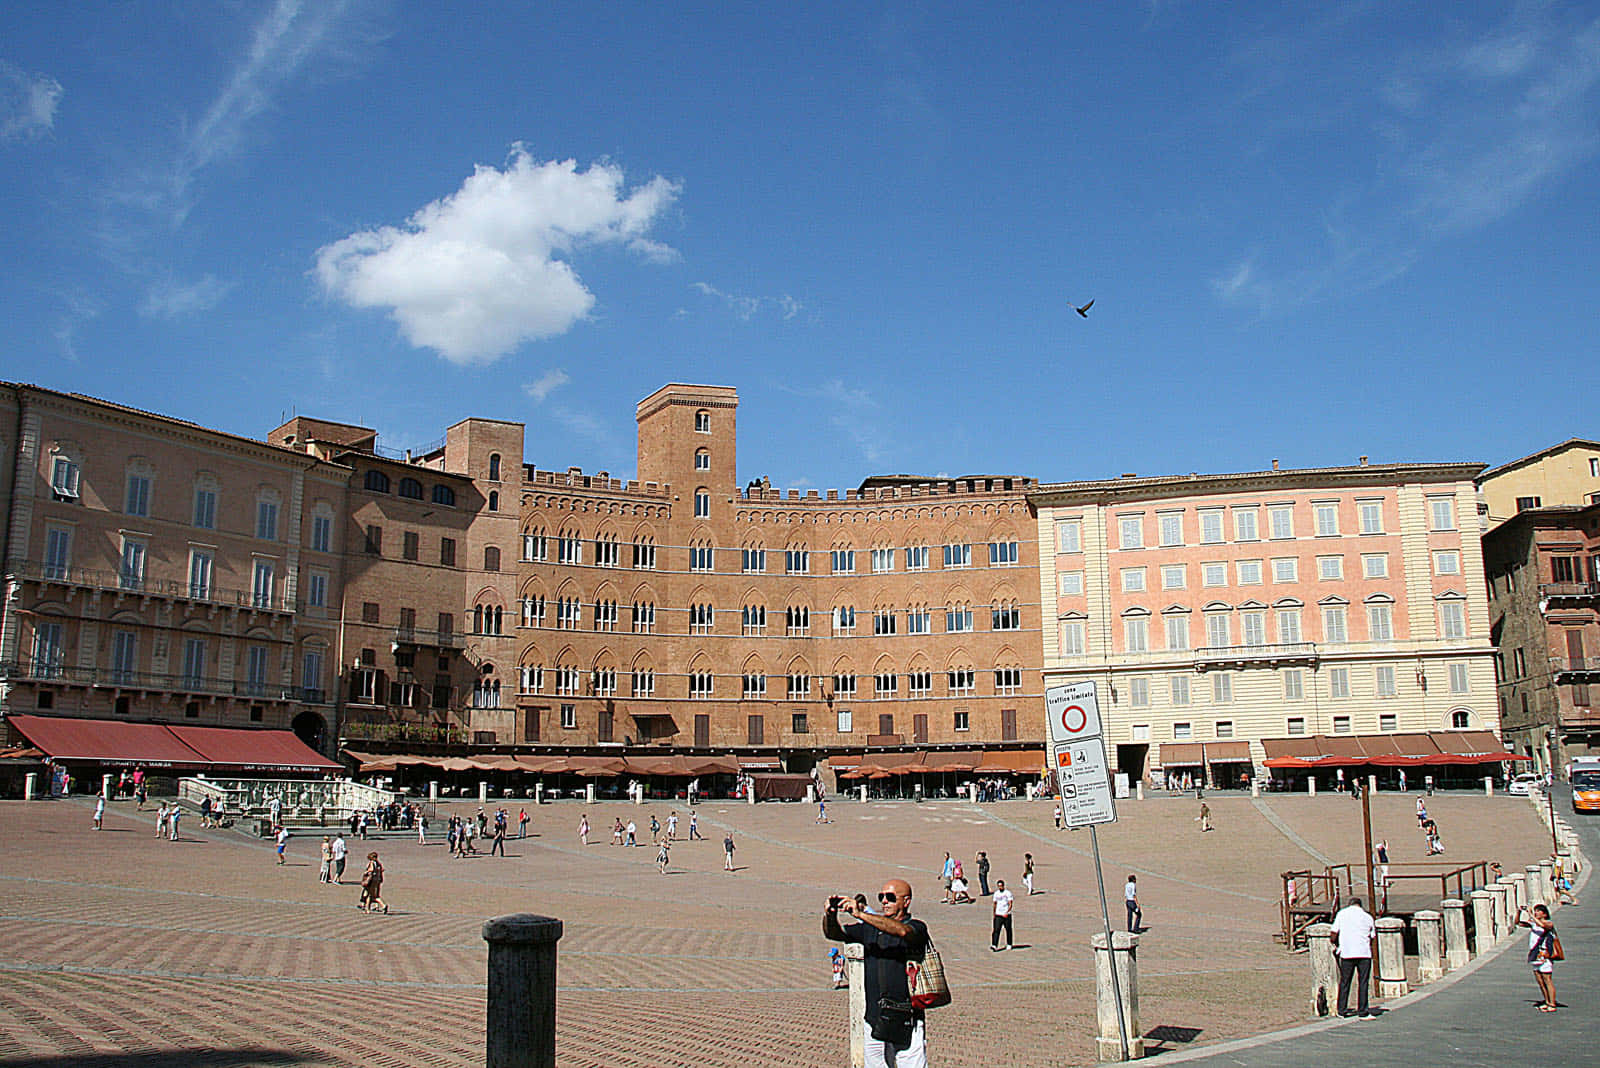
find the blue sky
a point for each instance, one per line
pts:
(1311, 231)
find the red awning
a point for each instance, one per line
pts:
(1024, 761)
(157, 745)
(254, 750)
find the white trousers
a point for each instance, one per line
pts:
(881, 1055)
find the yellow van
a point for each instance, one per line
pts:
(1585, 786)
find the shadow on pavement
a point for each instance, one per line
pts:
(1165, 1038)
(167, 1058)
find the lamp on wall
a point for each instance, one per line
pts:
(1422, 680)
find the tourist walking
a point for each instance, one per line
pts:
(616, 832)
(983, 873)
(662, 857)
(340, 850)
(1027, 873)
(889, 940)
(283, 841)
(633, 834)
(655, 829)
(672, 826)
(1353, 932)
(1130, 898)
(694, 827)
(1057, 815)
(498, 845)
(422, 829)
(325, 870)
(100, 812)
(947, 873)
(176, 813)
(1543, 948)
(1204, 817)
(372, 886)
(1422, 812)
(583, 828)
(1004, 902)
(727, 852)
(522, 823)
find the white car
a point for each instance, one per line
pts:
(1525, 784)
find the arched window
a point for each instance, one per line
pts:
(494, 500)
(494, 467)
(1460, 719)
(444, 495)
(377, 482)
(410, 487)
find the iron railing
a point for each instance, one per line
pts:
(123, 582)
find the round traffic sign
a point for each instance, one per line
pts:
(1067, 715)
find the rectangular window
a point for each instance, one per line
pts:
(798, 687)
(1069, 536)
(1218, 631)
(1071, 583)
(1221, 688)
(194, 662)
(1139, 692)
(844, 619)
(1458, 678)
(799, 723)
(916, 558)
(1130, 532)
(1253, 627)
(1330, 568)
(644, 556)
(1211, 526)
(1008, 681)
(374, 540)
(1183, 730)
(1388, 721)
(200, 568)
(1371, 516)
(701, 558)
(882, 560)
(1333, 624)
(844, 724)
(1296, 725)
(1171, 529)
(753, 619)
(321, 533)
(1525, 503)
(262, 584)
(1002, 554)
(1135, 634)
(844, 561)
(267, 520)
(569, 717)
(536, 547)
(1173, 577)
(919, 621)
(957, 619)
(1339, 682)
(1380, 622)
(963, 681)
(48, 650)
(57, 552)
(1443, 512)
(130, 572)
(918, 684)
(1005, 617)
(1374, 565)
(64, 479)
(1327, 516)
(137, 501)
(1294, 684)
(1141, 732)
(1383, 677)
(754, 686)
(1133, 580)
(124, 656)
(1177, 627)
(1281, 517)
(1213, 574)
(447, 552)
(1285, 569)
(311, 676)
(205, 509)
(958, 555)
(1341, 724)
(317, 589)
(1223, 728)
(1072, 638)
(753, 561)
(885, 686)
(256, 670)
(1452, 619)
(844, 686)
(797, 561)
(569, 549)
(1447, 562)
(1244, 525)
(963, 720)
(607, 552)
(702, 505)
(1288, 625)
(410, 545)
(797, 620)
(1249, 572)
(1178, 689)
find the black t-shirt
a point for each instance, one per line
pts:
(885, 963)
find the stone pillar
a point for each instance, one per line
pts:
(862, 791)
(522, 990)
(105, 787)
(1372, 784)
(1255, 786)
(1430, 945)
(30, 786)
(811, 795)
(1533, 877)
(855, 972)
(483, 793)
(1519, 892)
(1391, 962)
(538, 793)
(1311, 786)
(1456, 953)
(1482, 921)
(1502, 912)
(1547, 877)
(1488, 786)
(749, 794)
(1138, 789)
(433, 791)
(588, 793)
(1324, 972)
(1108, 1041)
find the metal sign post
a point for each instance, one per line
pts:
(1078, 751)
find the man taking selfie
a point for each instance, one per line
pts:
(888, 939)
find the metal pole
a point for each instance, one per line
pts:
(1550, 796)
(1372, 890)
(1111, 947)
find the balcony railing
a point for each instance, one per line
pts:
(382, 728)
(114, 678)
(121, 582)
(438, 639)
(1569, 591)
(1583, 665)
(1242, 655)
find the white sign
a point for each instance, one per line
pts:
(1072, 712)
(1085, 783)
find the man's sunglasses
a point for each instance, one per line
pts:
(887, 898)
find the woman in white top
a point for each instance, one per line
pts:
(1541, 947)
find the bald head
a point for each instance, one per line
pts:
(900, 891)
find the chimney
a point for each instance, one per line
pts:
(1363, 461)
(1274, 463)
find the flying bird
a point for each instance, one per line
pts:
(1084, 311)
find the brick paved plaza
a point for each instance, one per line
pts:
(118, 949)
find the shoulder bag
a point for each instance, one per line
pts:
(926, 980)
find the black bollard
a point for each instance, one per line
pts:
(522, 990)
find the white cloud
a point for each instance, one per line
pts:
(27, 103)
(853, 413)
(170, 299)
(746, 307)
(547, 383)
(480, 271)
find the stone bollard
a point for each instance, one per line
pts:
(1391, 961)
(1482, 921)
(1324, 972)
(1430, 945)
(1533, 876)
(862, 792)
(1108, 1042)
(1372, 784)
(30, 786)
(1519, 892)
(749, 794)
(1255, 787)
(1311, 786)
(1488, 786)
(588, 794)
(483, 793)
(433, 791)
(1456, 953)
(522, 990)
(855, 973)
(1138, 789)
(1502, 911)
(105, 787)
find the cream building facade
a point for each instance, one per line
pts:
(1566, 475)
(1232, 609)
